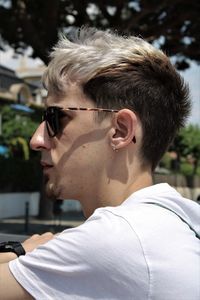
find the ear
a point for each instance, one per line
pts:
(125, 123)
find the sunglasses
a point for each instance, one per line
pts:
(53, 114)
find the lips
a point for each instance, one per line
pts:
(45, 165)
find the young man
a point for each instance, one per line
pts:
(114, 105)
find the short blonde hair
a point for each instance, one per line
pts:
(91, 51)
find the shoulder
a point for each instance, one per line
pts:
(106, 228)
(103, 253)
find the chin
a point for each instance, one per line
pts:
(50, 191)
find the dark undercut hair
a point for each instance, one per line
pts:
(152, 89)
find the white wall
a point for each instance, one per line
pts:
(71, 205)
(13, 204)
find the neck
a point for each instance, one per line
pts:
(114, 192)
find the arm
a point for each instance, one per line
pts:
(6, 257)
(30, 244)
(9, 287)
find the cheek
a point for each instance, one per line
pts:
(73, 163)
(60, 150)
(93, 158)
(77, 154)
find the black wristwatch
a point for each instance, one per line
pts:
(15, 247)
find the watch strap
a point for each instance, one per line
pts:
(19, 249)
(11, 246)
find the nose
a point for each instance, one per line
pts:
(40, 139)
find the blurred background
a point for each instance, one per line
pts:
(28, 30)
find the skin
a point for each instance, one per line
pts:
(80, 163)
(9, 287)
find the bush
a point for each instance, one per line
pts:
(186, 169)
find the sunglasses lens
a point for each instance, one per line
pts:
(51, 116)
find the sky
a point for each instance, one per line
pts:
(191, 75)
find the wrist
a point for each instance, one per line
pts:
(12, 246)
(7, 256)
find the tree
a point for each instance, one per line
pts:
(19, 165)
(177, 147)
(187, 146)
(17, 129)
(191, 138)
(174, 24)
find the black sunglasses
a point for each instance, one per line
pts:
(53, 114)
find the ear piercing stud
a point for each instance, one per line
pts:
(114, 148)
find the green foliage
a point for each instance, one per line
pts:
(187, 147)
(166, 161)
(15, 123)
(186, 169)
(191, 139)
(17, 129)
(20, 171)
(18, 143)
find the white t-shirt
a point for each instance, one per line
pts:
(137, 250)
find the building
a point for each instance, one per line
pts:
(23, 86)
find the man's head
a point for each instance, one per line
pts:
(119, 72)
(97, 69)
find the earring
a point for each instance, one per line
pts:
(114, 148)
